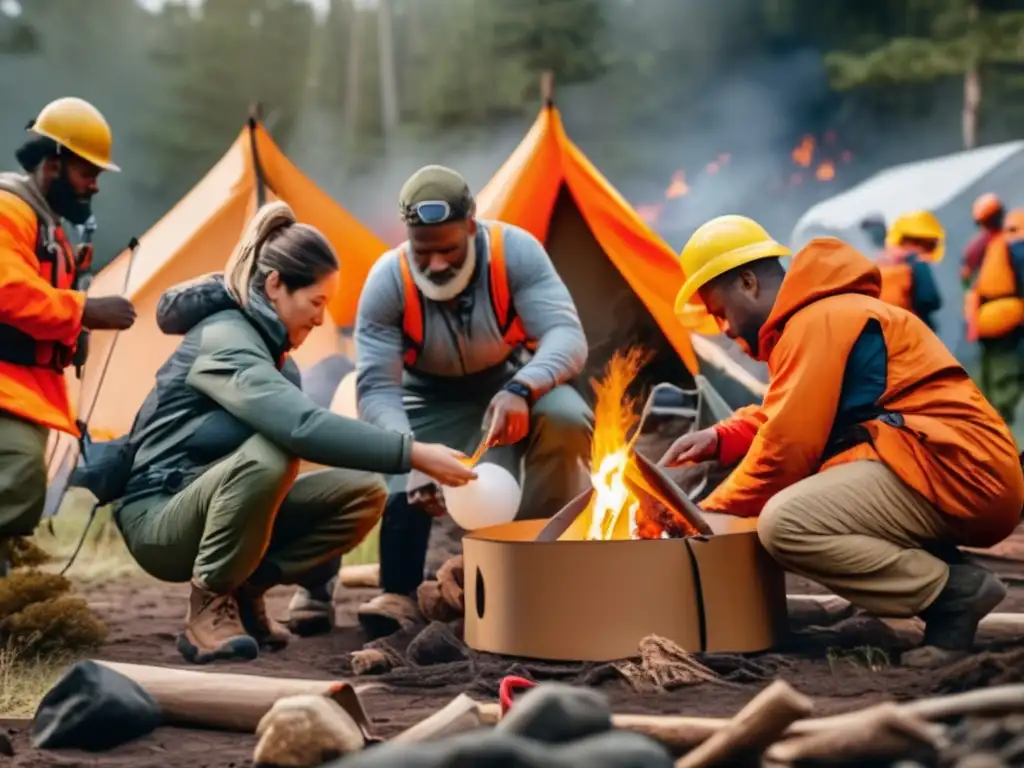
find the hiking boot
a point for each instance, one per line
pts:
(213, 629)
(951, 622)
(311, 611)
(388, 613)
(252, 608)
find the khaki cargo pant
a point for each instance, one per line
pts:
(251, 518)
(858, 530)
(22, 475)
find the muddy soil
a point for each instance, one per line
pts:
(144, 617)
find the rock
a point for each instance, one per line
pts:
(305, 732)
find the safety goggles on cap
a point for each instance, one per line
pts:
(430, 212)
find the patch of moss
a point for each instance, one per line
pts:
(22, 588)
(39, 615)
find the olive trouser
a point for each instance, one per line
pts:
(1002, 373)
(547, 462)
(860, 531)
(250, 518)
(22, 475)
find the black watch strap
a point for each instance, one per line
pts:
(520, 389)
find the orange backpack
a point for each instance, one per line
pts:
(509, 324)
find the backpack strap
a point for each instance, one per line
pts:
(509, 324)
(412, 317)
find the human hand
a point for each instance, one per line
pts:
(507, 420)
(692, 448)
(108, 313)
(443, 464)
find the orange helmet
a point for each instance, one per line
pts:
(986, 206)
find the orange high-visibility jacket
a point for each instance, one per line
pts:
(36, 304)
(952, 446)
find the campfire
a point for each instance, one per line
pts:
(630, 499)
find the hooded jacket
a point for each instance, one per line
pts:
(231, 378)
(843, 363)
(34, 305)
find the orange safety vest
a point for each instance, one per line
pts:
(993, 307)
(32, 371)
(509, 324)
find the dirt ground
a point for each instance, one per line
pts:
(145, 616)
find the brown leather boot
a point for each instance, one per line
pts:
(213, 629)
(267, 632)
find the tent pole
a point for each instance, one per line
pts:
(547, 88)
(255, 111)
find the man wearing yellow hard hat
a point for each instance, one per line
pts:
(41, 313)
(873, 455)
(914, 242)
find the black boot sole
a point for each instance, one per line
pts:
(236, 649)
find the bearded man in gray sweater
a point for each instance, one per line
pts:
(466, 331)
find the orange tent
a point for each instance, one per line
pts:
(194, 238)
(622, 276)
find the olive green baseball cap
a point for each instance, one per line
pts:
(435, 195)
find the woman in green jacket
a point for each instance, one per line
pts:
(214, 496)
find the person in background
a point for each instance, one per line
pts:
(988, 213)
(213, 497)
(994, 310)
(442, 326)
(873, 225)
(915, 242)
(41, 313)
(873, 456)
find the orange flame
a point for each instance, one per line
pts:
(678, 187)
(803, 154)
(613, 506)
(826, 171)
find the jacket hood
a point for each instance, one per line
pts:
(183, 306)
(25, 187)
(825, 267)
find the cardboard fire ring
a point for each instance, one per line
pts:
(539, 589)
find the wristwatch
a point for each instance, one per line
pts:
(520, 389)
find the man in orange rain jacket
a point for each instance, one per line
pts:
(988, 214)
(994, 311)
(915, 241)
(41, 315)
(873, 454)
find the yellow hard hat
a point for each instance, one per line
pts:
(718, 246)
(79, 127)
(920, 225)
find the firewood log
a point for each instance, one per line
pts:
(883, 732)
(360, 575)
(681, 733)
(232, 702)
(753, 729)
(806, 609)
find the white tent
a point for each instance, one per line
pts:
(945, 185)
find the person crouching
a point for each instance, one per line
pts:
(214, 497)
(873, 456)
